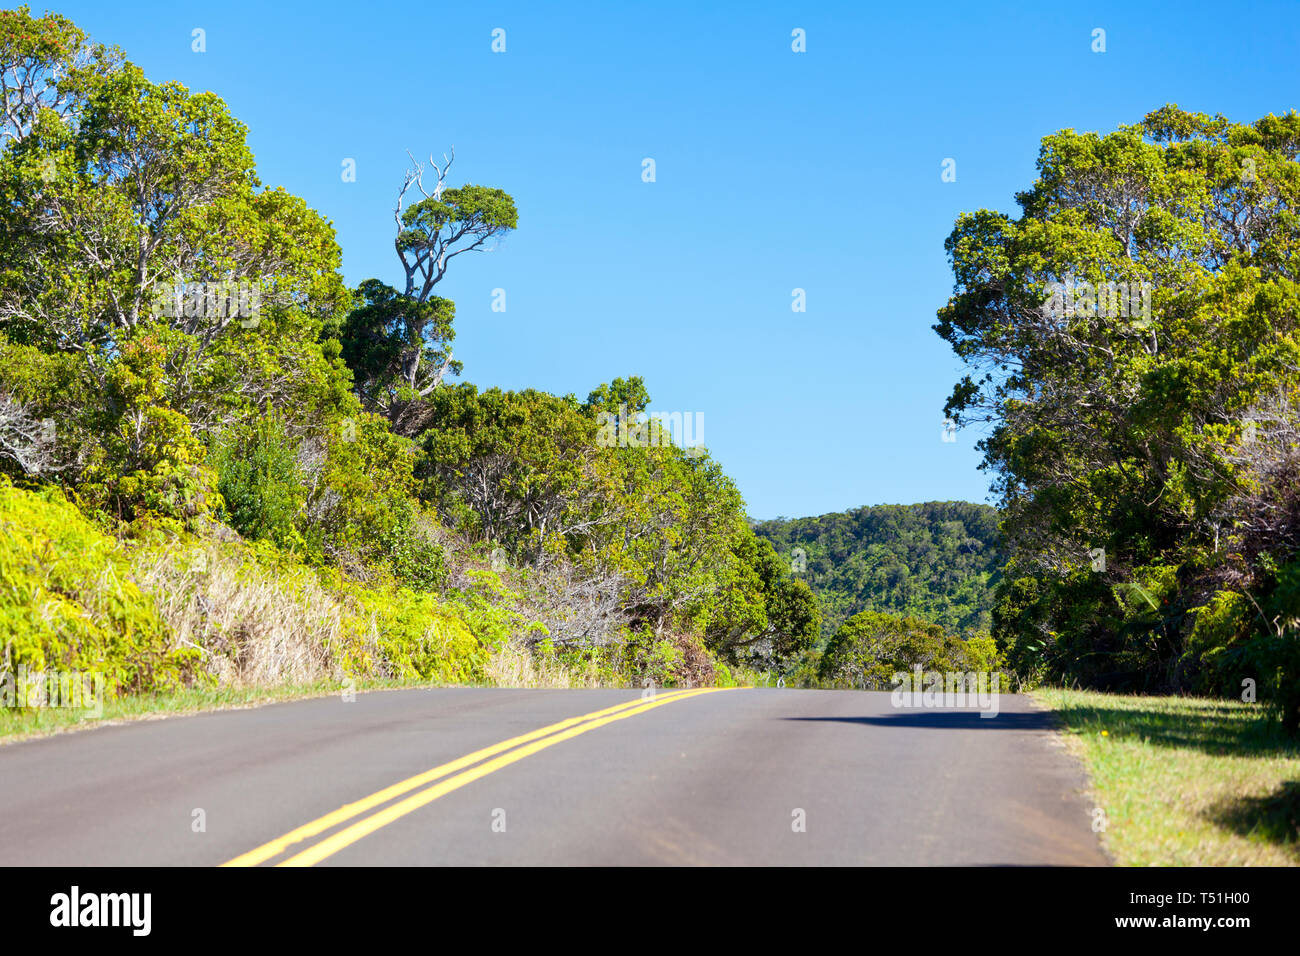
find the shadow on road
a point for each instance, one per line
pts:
(948, 720)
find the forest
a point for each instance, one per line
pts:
(1146, 459)
(220, 463)
(938, 561)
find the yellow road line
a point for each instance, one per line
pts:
(277, 846)
(346, 837)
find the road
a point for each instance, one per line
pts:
(471, 776)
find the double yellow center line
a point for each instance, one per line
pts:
(480, 764)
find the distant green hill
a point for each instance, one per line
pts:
(938, 561)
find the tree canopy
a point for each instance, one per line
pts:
(1133, 342)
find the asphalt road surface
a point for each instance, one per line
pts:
(463, 776)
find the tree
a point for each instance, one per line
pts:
(623, 394)
(1123, 331)
(49, 65)
(869, 648)
(399, 343)
(659, 528)
(398, 348)
(444, 224)
(764, 616)
(150, 186)
(151, 293)
(519, 469)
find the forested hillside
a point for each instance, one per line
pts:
(228, 466)
(936, 561)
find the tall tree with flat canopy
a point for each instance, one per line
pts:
(398, 343)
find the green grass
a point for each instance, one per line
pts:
(18, 724)
(1186, 781)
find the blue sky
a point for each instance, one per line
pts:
(775, 171)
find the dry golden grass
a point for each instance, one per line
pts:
(260, 627)
(515, 666)
(256, 627)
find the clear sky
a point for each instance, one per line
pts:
(775, 170)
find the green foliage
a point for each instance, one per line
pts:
(1275, 654)
(365, 486)
(515, 468)
(420, 637)
(669, 660)
(938, 561)
(398, 346)
(764, 617)
(317, 422)
(476, 211)
(1218, 623)
(655, 661)
(260, 483)
(412, 555)
(526, 471)
(622, 394)
(149, 463)
(870, 647)
(112, 189)
(487, 606)
(981, 653)
(68, 600)
(1162, 433)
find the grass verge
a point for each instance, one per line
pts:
(1186, 781)
(19, 724)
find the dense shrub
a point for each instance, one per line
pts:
(69, 599)
(870, 647)
(261, 484)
